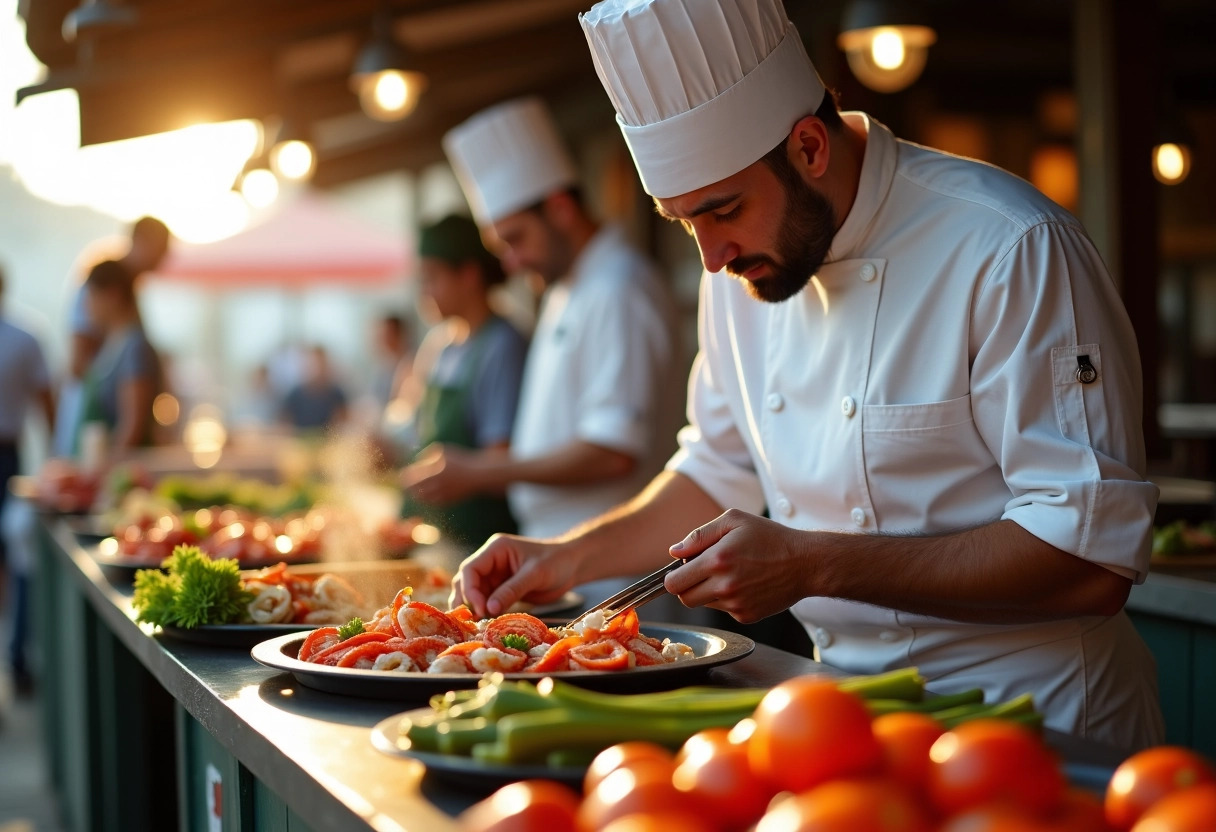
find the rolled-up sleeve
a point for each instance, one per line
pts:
(1070, 444)
(713, 452)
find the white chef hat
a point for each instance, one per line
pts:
(702, 88)
(508, 157)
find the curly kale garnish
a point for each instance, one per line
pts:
(516, 641)
(350, 629)
(196, 591)
(155, 599)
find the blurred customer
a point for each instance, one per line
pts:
(472, 386)
(148, 246)
(258, 405)
(394, 358)
(317, 402)
(24, 381)
(600, 399)
(126, 375)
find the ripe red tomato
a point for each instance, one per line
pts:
(849, 806)
(990, 761)
(1080, 811)
(628, 791)
(626, 755)
(1146, 777)
(1000, 817)
(660, 822)
(716, 772)
(1186, 810)
(809, 731)
(526, 806)
(906, 739)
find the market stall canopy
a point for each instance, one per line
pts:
(305, 243)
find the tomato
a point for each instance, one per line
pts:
(906, 739)
(623, 628)
(1186, 810)
(1080, 811)
(628, 791)
(660, 822)
(626, 755)
(849, 806)
(1146, 777)
(526, 806)
(716, 772)
(600, 655)
(515, 623)
(315, 642)
(808, 731)
(993, 760)
(1000, 817)
(557, 657)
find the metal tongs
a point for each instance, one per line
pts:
(632, 596)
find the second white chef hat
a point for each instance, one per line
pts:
(508, 157)
(702, 88)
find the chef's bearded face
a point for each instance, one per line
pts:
(805, 227)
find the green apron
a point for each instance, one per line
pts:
(441, 418)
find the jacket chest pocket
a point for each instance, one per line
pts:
(905, 440)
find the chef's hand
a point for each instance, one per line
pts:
(509, 569)
(742, 564)
(442, 474)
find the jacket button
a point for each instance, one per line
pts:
(888, 636)
(785, 506)
(822, 637)
(868, 272)
(847, 406)
(859, 516)
(774, 401)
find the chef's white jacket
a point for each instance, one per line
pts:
(603, 368)
(926, 381)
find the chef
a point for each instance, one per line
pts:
(601, 391)
(917, 363)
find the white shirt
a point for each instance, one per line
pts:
(23, 375)
(602, 368)
(926, 381)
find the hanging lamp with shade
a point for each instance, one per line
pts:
(886, 42)
(387, 87)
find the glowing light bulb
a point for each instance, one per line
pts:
(391, 91)
(1171, 163)
(887, 49)
(293, 159)
(260, 187)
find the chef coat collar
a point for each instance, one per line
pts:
(877, 173)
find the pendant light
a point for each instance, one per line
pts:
(886, 43)
(388, 89)
(1172, 151)
(292, 156)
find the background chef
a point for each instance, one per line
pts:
(917, 362)
(601, 380)
(469, 367)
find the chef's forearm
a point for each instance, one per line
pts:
(997, 573)
(576, 463)
(635, 537)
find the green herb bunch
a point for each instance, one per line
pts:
(195, 590)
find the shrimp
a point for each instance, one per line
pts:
(489, 659)
(271, 604)
(417, 619)
(336, 593)
(329, 617)
(395, 662)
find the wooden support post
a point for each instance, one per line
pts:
(1116, 45)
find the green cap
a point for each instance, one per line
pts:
(454, 239)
